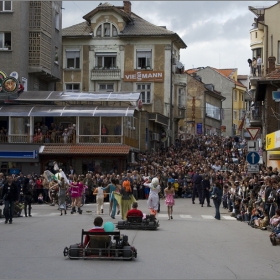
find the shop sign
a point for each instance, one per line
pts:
(144, 76)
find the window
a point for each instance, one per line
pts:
(106, 87)
(106, 30)
(106, 60)
(73, 59)
(241, 114)
(213, 111)
(145, 90)
(256, 34)
(278, 52)
(56, 55)
(72, 87)
(144, 58)
(234, 115)
(234, 95)
(57, 21)
(181, 98)
(5, 40)
(5, 6)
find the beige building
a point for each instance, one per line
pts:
(114, 50)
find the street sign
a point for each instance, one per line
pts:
(253, 157)
(253, 168)
(252, 146)
(253, 131)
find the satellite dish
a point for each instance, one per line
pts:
(14, 74)
(179, 65)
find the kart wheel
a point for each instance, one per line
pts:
(127, 253)
(121, 223)
(151, 224)
(65, 251)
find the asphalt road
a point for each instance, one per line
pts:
(191, 246)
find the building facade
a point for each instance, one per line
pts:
(114, 50)
(233, 107)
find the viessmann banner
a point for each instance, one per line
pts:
(144, 76)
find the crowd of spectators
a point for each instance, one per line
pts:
(250, 197)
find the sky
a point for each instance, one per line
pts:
(217, 33)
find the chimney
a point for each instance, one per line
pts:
(127, 7)
(271, 64)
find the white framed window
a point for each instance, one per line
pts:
(106, 87)
(73, 59)
(72, 87)
(106, 29)
(145, 90)
(5, 41)
(56, 55)
(5, 6)
(234, 115)
(106, 60)
(278, 53)
(144, 59)
(213, 111)
(181, 98)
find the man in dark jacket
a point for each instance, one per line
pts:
(9, 195)
(27, 194)
(206, 190)
(197, 187)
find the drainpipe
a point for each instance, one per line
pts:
(171, 98)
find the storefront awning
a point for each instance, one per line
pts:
(64, 111)
(78, 96)
(104, 149)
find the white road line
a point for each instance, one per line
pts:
(185, 216)
(229, 218)
(162, 215)
(207, 217)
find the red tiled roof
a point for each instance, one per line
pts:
(225, 72)
(102, 149)
(190, 71)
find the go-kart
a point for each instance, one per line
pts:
(102, 245)
(148, 223)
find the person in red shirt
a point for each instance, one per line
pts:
(134, 212)
(98, 222)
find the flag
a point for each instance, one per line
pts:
(242, 123)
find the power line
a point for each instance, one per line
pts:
(79, 7)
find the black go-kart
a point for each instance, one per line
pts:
(102, 245)
(148, 223)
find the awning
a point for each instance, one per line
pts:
(104, 149)
(158, 118)
(78, 96)
(64, 111)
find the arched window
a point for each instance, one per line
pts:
(106, 29)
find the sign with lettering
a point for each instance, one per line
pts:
(144, 76)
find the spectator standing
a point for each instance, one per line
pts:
(197, 186)
(28, 195)
(169, 199)
(9, 195)
(259, 65)
(254, 66)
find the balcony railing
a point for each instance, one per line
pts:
(72, 139)
(105, 74)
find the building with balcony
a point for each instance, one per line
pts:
(264, 36)
(114, 50)
(233, 107)
(121, 86)
(30, 43)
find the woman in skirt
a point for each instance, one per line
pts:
(169, 199)
(62, 196)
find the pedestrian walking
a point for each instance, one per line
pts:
(99, 192)
(9, 195)
(62, 197)
(217, 199)
(169, 199)
(206, 191)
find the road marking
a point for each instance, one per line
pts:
(162, 215)
(185, 216)
(207, 217)
(229, 218)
